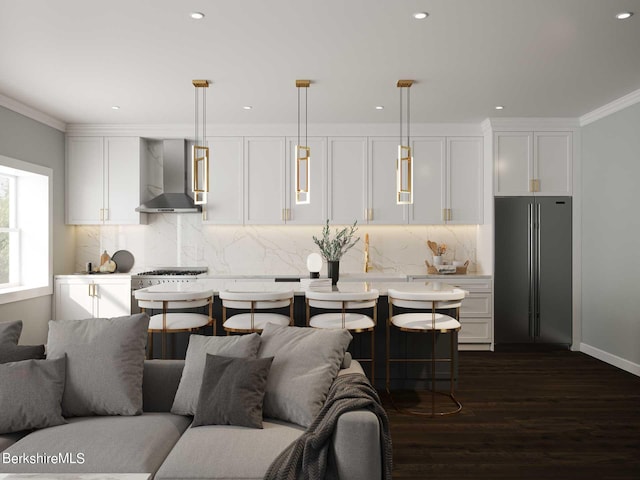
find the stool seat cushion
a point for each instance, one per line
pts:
(424, 321)
(179, 321)
(352, 321)
(242, 321)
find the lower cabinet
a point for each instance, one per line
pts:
(476, 312)
(77, 297)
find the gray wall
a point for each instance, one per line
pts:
(30, 141)
(611, 233)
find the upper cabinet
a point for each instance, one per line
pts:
(528, 163)
(382, 202)
(448, 181)
(103, 180)
(314, 212)
(225, 200)
(347, 170)
(265, 180)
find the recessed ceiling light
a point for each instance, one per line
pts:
(379, 107)
(197, 15)
(116, 107)
(499, 107)
(420, 15)
(623, 15)
(247, 107)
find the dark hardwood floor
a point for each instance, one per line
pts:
(526, 415)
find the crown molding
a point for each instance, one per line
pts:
(531, 123)
(257, 130)
(32, 113)
(610, 108)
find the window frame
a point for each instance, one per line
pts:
(32, 263)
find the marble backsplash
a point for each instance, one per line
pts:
(171, 240)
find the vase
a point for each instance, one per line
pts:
(437, 259)
(333, 270)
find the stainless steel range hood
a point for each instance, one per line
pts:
(175, 197)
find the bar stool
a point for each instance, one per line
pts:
(254, 321)
(353, 321)
(427, 299)
(176, 298)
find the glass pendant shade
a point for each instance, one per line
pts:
(200, 151)
(302, 154)
(404, 162)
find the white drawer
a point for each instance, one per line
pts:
(476, 304)
(474, 331)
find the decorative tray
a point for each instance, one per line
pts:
(446, 269)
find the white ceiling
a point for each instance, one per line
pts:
(74, 59)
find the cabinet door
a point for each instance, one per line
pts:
(265, 180)
(428, 181)
(553, 152)
(73, 300)
(347, 179)
(465, 180)
(383, 154)
(315, 212)
(122, 180)
(225, 201)
(84, 175)
(113, 298)
(513, 163)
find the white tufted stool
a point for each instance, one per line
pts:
(353, 321)
(254, 321)
(427, 299)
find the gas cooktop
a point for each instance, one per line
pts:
(169, 271)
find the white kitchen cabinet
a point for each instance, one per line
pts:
(448, 181)
(91, 296)
(225, 200)
(464, 184)
(347, 185)
(265, 180)
(315, 212)
(429, 180)
(476, 312)
(103, 180)
(537, 163)
(382, 202)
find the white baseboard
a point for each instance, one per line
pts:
(611, 359)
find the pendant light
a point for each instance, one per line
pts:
(200, 154)
(303, 153)
(404, 164)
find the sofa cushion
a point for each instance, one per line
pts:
(226, 452)
(105, 361)
(305, 363)
(30, 394)
(113, 444)
(10, 332)
(17, 353)
(186, 399)
(232, 391)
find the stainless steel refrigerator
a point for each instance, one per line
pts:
(532, 282)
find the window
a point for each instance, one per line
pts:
(25, 230)
(9, 234)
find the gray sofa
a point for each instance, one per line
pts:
(164, 444)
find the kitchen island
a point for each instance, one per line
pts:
(404, 376)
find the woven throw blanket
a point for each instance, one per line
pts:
(307, 456)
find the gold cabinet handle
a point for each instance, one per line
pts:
(534, 185)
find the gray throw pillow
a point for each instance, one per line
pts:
(232, 391)
(105, 361)
(17, 353)
(186, 399)
(306, 361)
(10, 332)
(30, 394)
